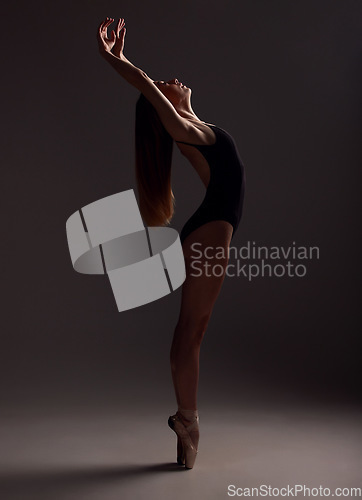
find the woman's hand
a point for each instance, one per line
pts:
(115, 43)
(117, 49)
(111, 49)
(105, 43)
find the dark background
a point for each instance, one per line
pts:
(284, 79)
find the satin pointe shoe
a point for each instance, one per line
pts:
(186, 449)
(180, 452)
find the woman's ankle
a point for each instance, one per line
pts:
(188, 416)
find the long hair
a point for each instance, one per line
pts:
(154, 146)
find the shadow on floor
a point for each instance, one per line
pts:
(54, 484)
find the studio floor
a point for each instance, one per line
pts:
(108, 455)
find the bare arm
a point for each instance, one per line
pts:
(111, 49)
(124, 67)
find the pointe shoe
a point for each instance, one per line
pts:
(188, 455)
(180, 452)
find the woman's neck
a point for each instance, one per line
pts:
(187, 112)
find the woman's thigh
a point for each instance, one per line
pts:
(206, 257)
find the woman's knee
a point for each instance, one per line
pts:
(190, 331)
(194, 324)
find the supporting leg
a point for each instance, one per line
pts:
(199, 293)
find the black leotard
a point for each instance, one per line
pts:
(225, 192)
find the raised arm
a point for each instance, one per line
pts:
(112, 50)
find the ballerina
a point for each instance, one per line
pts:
(164, 116)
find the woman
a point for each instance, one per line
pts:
(164, 115)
